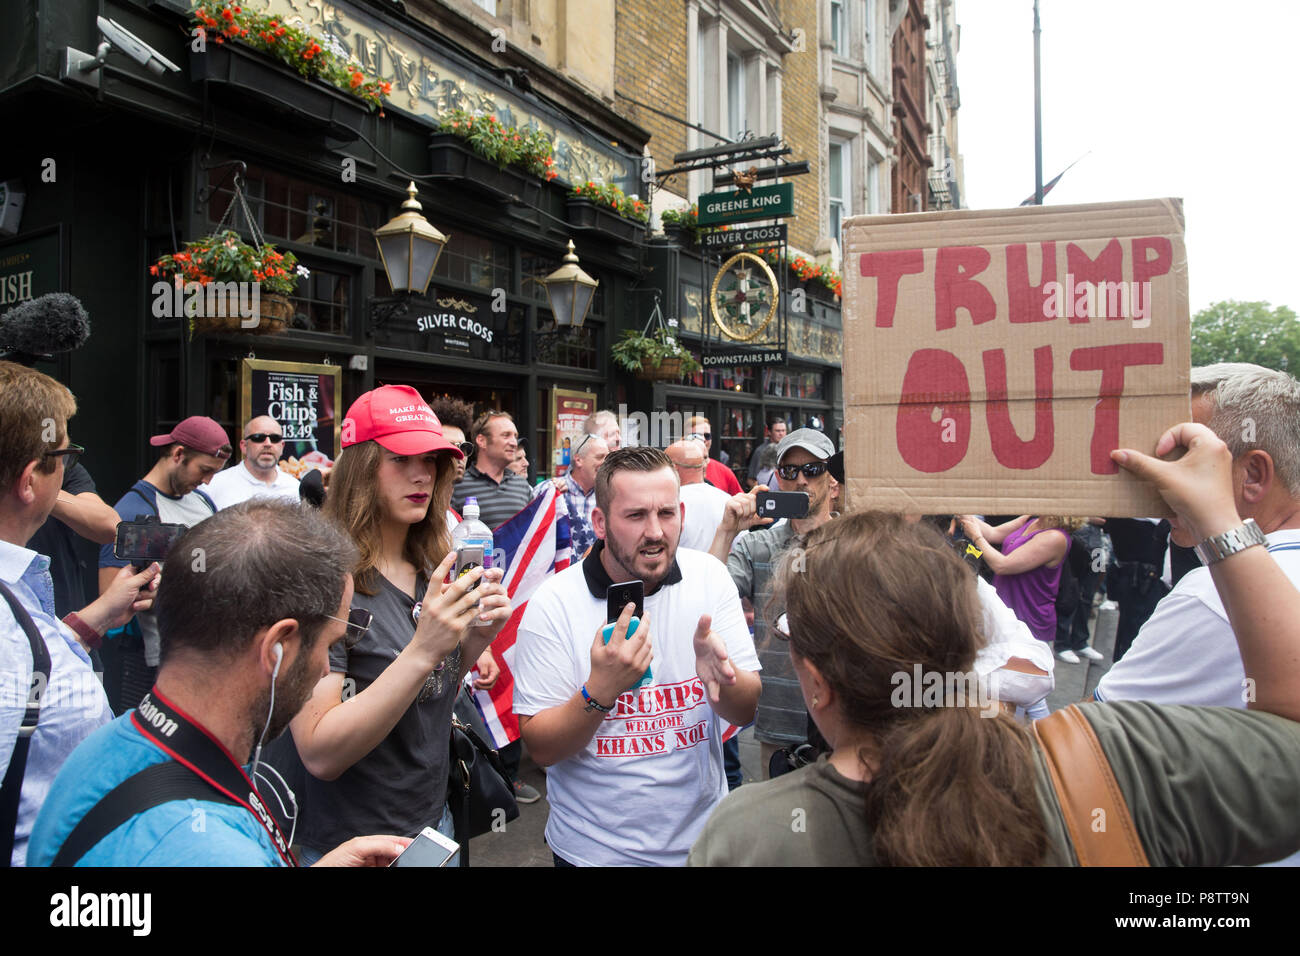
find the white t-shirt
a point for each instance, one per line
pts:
(704, 509)
(1006, 636)
(639, 793)
(232, 485)
(1186, 652)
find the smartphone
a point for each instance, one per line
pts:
(619, 596)
(145, 540)
(468, 558)
(782, 504)
(430, 848)
(608, 632)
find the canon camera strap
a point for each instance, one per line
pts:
(185, 741)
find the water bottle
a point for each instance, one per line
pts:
(471, 533)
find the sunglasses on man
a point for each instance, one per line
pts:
(259, 437)
(812, 469)
(70, 455)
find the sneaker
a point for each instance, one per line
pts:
(1068, 656)
(1092, 655)
(525, 793)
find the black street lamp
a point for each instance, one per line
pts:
(409, 247)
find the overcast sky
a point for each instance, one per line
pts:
(1185, 98)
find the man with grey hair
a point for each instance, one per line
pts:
(605, 424)
(247, 620)
(578, 490)
(1185, 653)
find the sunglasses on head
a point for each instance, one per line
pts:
(466, 448)
(259, 437)
(812, 469)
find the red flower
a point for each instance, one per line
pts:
(227, 16)
(357, 78)
(153, 270)
(280, 32)
(385, 88)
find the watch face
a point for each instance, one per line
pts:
(744, 297)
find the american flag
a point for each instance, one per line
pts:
(536, 543)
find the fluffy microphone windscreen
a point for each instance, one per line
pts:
(56, 322)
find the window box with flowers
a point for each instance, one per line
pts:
(683, 225)
(491, 156)
(247, 53)
(820, 282)
(605, 207)
(224, 257)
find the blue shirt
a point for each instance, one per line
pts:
(73, 704)
(178, 833)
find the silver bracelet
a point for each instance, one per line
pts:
(1217, 547)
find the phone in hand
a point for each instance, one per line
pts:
(430, 848)
(608, 632)
(619, 596)
(781, 504)
(468, 557)
(145, 540)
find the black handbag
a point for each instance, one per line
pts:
(479, 790)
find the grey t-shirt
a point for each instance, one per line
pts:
(1206, 786)
(400, 787)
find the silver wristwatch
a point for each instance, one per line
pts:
(1217, 547)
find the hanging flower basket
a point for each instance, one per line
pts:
(273, 315)
(669, 370)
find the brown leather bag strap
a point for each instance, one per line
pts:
(1084, 783)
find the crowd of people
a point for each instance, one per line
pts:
(284, 692)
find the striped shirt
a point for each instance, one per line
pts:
(498, 502)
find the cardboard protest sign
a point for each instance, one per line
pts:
(993, 358)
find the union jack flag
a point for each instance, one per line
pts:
(536, 543)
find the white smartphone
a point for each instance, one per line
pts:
(430, 848)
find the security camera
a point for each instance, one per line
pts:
(86, 69)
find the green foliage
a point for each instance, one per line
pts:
(1253, 332)
(529, 149)
(607, 195)
(635, 351)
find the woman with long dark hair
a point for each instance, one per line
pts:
(932, 776)
(375, 735)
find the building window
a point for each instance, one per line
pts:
(321, 301)
(873, 185)
(838, 168)
(490, 6)
(736, 124)
(839, 28)
(473, 260)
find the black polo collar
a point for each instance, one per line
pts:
(598, 580)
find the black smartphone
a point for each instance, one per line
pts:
(145, 540)
(619, 596)
(782, 504)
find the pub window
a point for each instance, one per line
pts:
(322, 301)
(298, 212)
(475, 261)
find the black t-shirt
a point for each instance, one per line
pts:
(400, 787)
(70, 554)
(1138, 540)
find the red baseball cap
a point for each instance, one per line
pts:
(397, 418)
(198, 433)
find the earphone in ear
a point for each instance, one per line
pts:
(279, 656)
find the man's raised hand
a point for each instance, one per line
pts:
(711, 662)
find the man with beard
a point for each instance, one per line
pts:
(245, 638)
(191, 453)
(259, 474)
(634, 770)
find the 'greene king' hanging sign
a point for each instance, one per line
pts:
(993, 358)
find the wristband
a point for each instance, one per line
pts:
(88, 634)
(592, 704)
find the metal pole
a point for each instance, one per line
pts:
(1038, 117)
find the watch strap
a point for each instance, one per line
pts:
(92, 638)
(1217, 547)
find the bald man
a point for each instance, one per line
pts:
(259, 474)
(704, 503)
